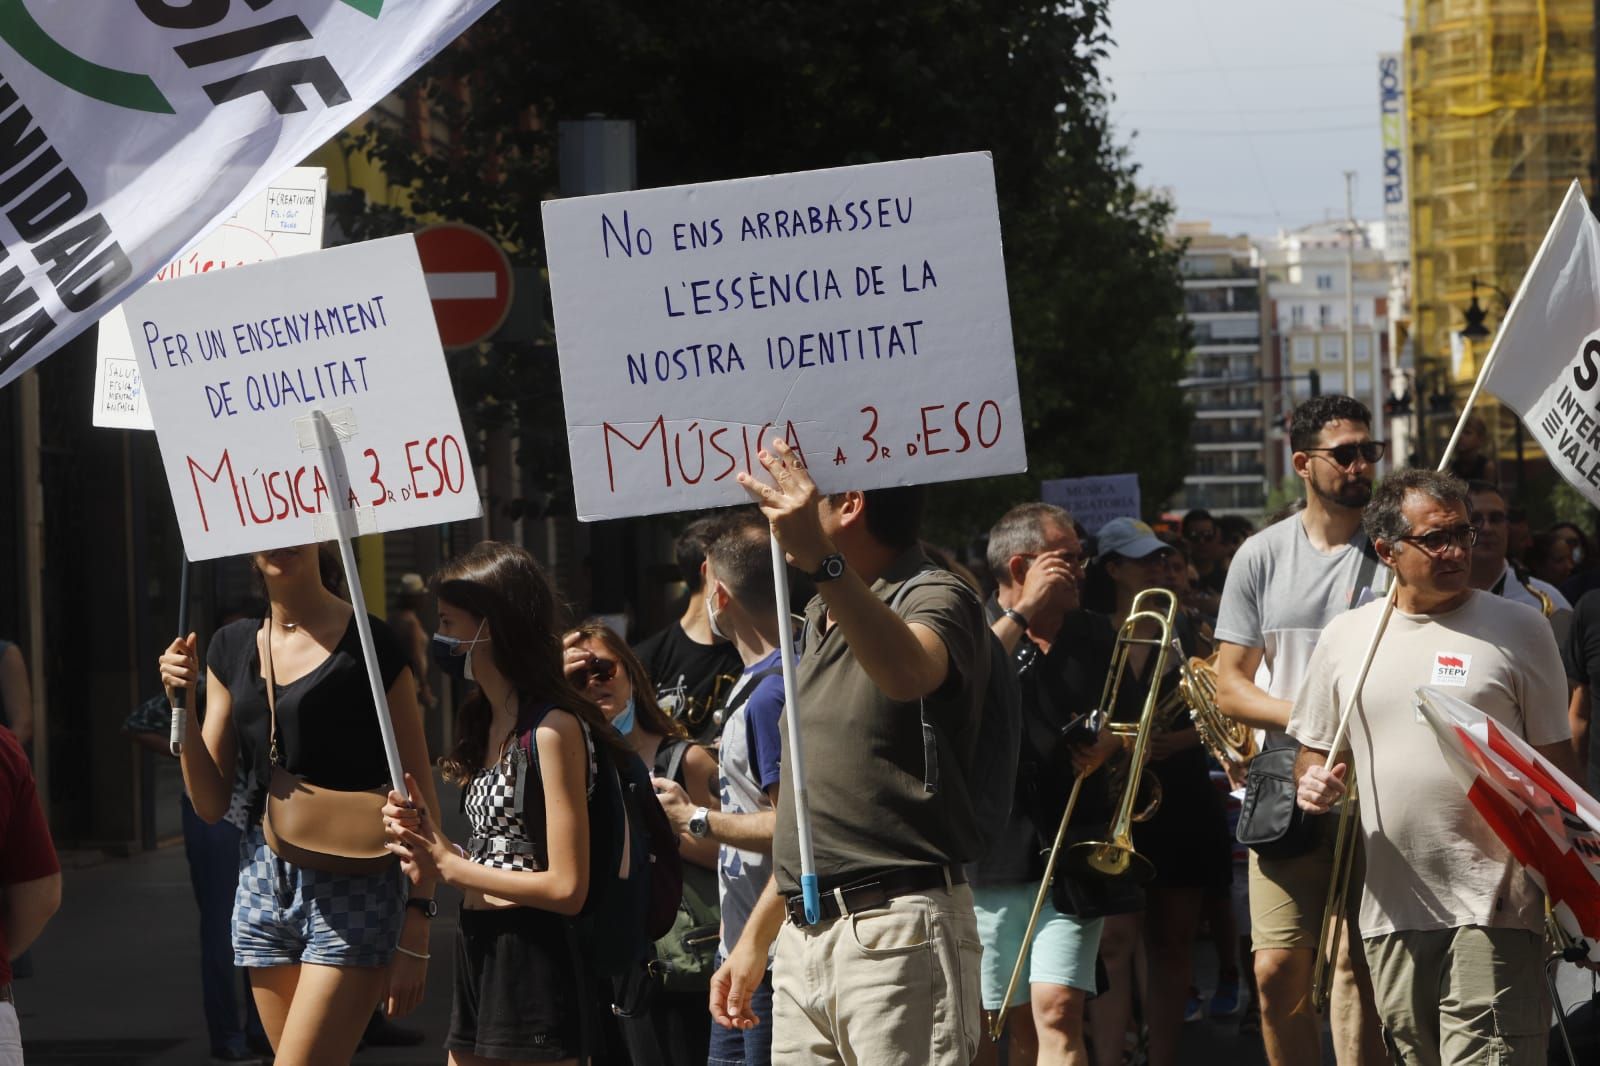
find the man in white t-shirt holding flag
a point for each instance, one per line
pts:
(1451, 924)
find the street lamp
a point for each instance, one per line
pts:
(1475, 330)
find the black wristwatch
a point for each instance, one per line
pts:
(428, 907)
(831, 567)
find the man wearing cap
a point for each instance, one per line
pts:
(1285, 585)
(1185, 838)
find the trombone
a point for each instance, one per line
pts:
(1115, 856)
(1108, 858)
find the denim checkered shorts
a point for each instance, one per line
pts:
(285, 914)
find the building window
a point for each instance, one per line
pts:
(1333, 347)
(1324, 315)
(1363, 382)
(1304, 349)
(1332, 381)
(1325, 282)
(1363, 348)
(1297, 315)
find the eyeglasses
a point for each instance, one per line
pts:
(1438, 541)
(1345, 454)
(1201, 536)
(1077, 559)
(598, 669)
(1489, 518)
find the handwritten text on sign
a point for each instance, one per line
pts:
(260, 230)
(860, 313)
(234, 362)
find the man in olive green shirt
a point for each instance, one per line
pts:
(889, 974)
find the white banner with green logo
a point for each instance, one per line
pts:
(129, 131)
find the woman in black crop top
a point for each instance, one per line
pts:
(321, 946)
(526, 865)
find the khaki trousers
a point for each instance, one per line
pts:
(894, 986)
(1450, 997)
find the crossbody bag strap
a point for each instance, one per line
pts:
(264, 650)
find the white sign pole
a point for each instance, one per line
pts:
(794, 775)
(327, 444)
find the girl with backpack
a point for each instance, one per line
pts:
(525, 759)
(662, 1024)
(288, 703)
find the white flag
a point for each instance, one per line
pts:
(1549, 370)
(128, 133)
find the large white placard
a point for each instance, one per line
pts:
(1094, 501)
(859, 312)
(284, 219)
(234, 363)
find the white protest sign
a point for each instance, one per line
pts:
(1094, 501)
(234, 362)
(860, 313)
(284, 219)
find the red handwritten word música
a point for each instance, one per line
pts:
(433, 467)
(732, 446)
(687, 452)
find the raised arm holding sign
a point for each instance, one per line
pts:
(789, 338)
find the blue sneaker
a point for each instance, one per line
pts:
(1193, 1010)
(1225, 1001)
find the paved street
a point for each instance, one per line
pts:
(117, 978)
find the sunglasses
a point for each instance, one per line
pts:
(1345, 454)
(1438, 541)
(598, 669)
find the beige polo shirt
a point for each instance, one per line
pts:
(1432, 862)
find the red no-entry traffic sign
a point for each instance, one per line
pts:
(469, 282)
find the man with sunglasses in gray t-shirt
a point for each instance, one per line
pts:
(1285, 584)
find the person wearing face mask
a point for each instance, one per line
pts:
(525, 867)
(660, 1026)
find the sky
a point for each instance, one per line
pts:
(1249, 111)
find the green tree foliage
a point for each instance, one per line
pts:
(730, 89)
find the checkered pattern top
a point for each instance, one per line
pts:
(493, 815)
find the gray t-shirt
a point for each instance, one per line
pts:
(1280, 594)
(749, 767)
(1432, 862)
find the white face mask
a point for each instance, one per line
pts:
(711, 615)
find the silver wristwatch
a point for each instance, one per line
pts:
(700, 822)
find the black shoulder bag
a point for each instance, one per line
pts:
(1271, 823)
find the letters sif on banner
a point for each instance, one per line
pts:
(129, 133)
(234, 362)
(860, 313)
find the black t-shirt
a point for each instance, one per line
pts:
(1580, 652)
(692, 679)
(327, 724)
(1057, 688)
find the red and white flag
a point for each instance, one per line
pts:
(1548, 822)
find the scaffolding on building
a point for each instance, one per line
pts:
(1501, 118)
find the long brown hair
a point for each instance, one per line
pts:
(646, 710)
(502, 584)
